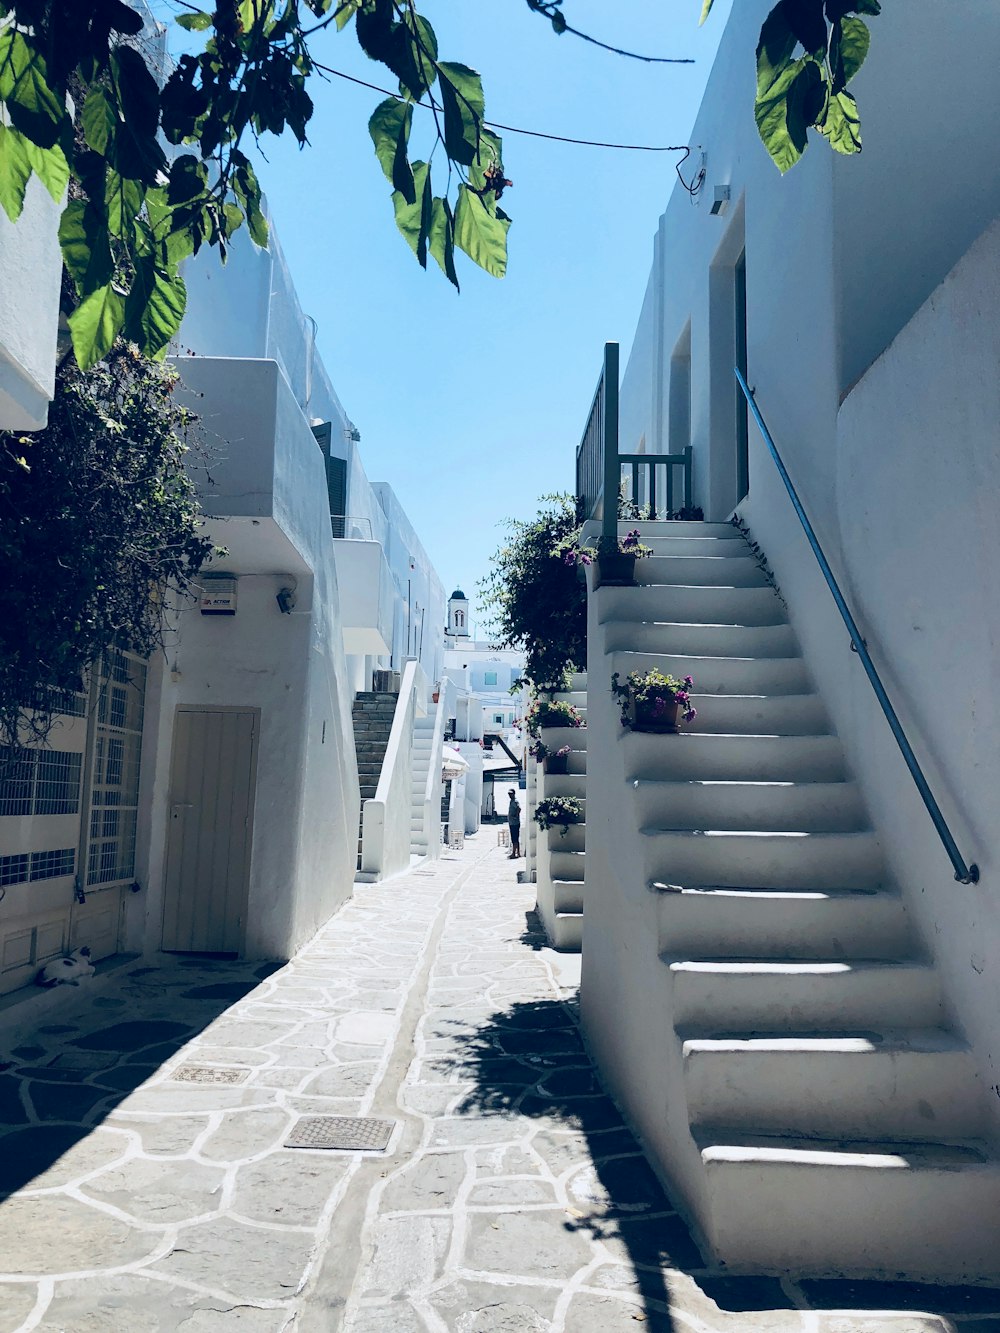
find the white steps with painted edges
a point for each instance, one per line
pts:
(559, 858)
(836, 1119)
(423, 739)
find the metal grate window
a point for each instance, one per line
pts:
(14, 869)
(39, 782)
(115, 786)
(50, 865)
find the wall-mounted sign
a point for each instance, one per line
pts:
(218, 595)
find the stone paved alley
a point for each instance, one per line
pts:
(511, 1196)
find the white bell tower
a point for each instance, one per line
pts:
(458, 614)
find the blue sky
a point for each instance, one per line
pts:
(471, 405)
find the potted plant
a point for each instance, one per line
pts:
(550, 713)
(615, 558)
(555, 810)
(555, 761)
(651, 700)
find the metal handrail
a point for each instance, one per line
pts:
(965, 874)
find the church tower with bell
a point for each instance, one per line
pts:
(458, 615)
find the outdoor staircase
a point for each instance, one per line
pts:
(423, 747)
(559, 857)
(808, 1096)
(372, 713)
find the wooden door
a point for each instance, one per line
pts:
(210, 832)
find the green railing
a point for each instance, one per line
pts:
(601, 470)
(965, 874)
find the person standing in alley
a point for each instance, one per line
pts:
(514, 824)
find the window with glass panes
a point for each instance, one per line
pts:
(121, 689)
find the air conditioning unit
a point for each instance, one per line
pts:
(386, 682)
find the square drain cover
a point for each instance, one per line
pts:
(344, 1132)
(208, 1075)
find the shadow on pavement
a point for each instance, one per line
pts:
(529, 1059)
(71, 1074)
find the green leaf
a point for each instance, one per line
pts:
(389, 121)
(123, 199)
(194, 22)
(706, 9)
(488, 159)
(464, 107)
(346, 9)
(32, 106)
(771, 114)
(805, 104)
(441, 238)
(848, 50)
(255, 14)
(414, 220)
(481, 232)
(99, 119)
(808, 22)
(138, 93)
(188, 179)
(15, 171)
(842, 125)
(86, 251)
(95, 324)
(51, 168)
(774, 52)
(416, 61)
(154, 308)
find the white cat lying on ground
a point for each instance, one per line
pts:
(69, 969)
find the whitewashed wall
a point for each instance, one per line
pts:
(841, 255)
(30, 272)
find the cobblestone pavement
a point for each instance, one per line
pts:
(511, 1199)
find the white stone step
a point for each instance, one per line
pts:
(568, 932)
(565, 863)
(721, 675)
(556, 737)
(696, 754)
(723, 571)
(751, 806)
(742, 860)
(731, 546)
(691, 604)
(778, 995)
(566, 784)
(573, 840)
(759, 714)
(651, 530)
(768, 923)
(567, 895)
(921, 1210)
(911, 1083)
(667, 636)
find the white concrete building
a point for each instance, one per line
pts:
(799, 887)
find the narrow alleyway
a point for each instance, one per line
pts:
(147, 1187)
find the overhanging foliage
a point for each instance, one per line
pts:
(97, 520)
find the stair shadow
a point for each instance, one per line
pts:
(533, 934)
(59, 1085)
(529, 1059)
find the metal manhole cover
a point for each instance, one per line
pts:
(208, 1075)
(343, 1132)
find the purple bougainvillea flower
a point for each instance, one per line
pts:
(689, 681)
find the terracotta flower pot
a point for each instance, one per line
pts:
(557, 763)
(616, 570)
(645, 717)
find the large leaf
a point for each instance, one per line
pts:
(774, 51)
(848, 50)
(489, 159)
(86, 252)
(415, 55)
(346, 9)
(123, 199)
(481, 232)
(808, 22)
(154, 308)
(51, 168)
(842, 125)
(15, 171)
(441, 239)
(771, 114)
(99, 119)
(389, 128)
(461, 91)
(138, 93)
(196, 22)
(414, 219)
(32, 106)
(95, 324)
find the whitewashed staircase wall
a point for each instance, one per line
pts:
(559, 857)
(752, 987)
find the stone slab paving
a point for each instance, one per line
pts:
(511, 1199)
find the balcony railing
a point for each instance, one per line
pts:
(604, 476)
